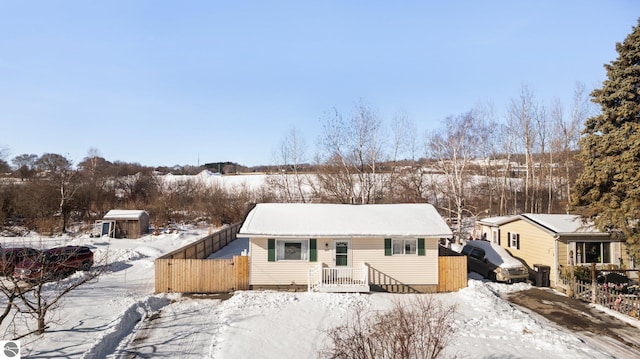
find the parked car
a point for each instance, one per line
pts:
(494, 262)
(55, 263)
(11, 256)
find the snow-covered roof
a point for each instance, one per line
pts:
(563, 224)
(344, 220)
(496, 221)
(124, 214)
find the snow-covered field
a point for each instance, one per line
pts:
(120, 316)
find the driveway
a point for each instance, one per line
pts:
(582, 318)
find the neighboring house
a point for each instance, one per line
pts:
(554, 240)
(123, 223)
(344, 248)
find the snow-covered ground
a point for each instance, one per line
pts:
(120, 316)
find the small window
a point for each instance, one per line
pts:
(404, 247)
(292, 250)
(514, 240)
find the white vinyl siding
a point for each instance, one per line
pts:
(410, 270)
(286, 272)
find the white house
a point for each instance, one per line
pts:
(344, 248)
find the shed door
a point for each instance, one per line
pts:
(108, 229)
(341, 250)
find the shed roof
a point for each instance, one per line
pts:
(124, 214)
(344, 220)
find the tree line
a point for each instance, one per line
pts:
(472, 165)
(47, 193)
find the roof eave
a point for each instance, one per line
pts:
(583, 234)
(330, 236)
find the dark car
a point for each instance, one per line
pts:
(476, 262)
(494, 262)
(11, 256)
(55, 263)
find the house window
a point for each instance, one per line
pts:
(513, 240)
(292, 250)
(593, 252)
(404, 246)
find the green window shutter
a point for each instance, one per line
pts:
(313, 250)
(508, 239)
(271, 248)
(387, 246)
(421, 250)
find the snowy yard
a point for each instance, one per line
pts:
(118, 315)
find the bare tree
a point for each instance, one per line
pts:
(453, 148)
(565, 134)
(521, 118)
(352, 149)
(4, 166)
(36, 298)
(25, 165)
(39, 299)
(421, 329)
(60, 171)
(403, 146)
(290, 182)
(544, 166)
(98, 186)
(336, 176)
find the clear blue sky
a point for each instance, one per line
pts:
(177, 82)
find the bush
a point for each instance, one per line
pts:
(419, 329)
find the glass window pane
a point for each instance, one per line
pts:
(592, 253)
(410, 246)
(293, 250)
(341, 247)
(397, 247)
(606, 253)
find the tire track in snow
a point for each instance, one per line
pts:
(183, 329)
(123, 325)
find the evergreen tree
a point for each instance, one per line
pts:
(608, 191)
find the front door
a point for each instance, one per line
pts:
(341, 250)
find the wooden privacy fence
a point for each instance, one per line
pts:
(186, 270)
(452, 273)
(202, 275)
(203, 248)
